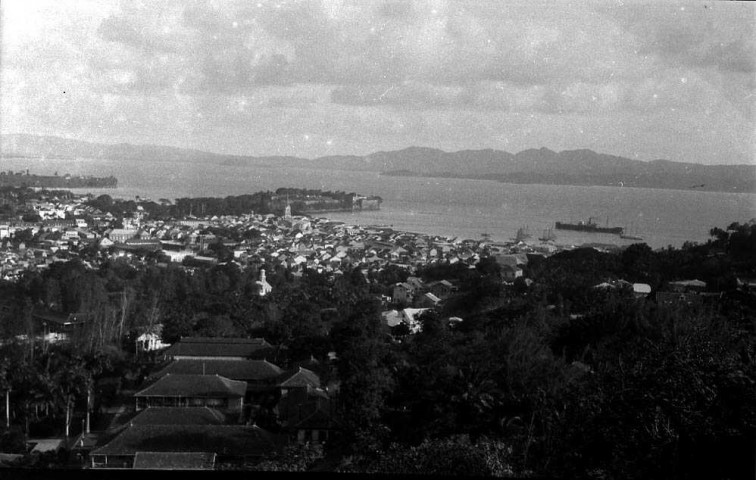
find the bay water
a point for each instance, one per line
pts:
(439, 206)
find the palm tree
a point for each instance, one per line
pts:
(5, 385)
(71, 379)
(26, 382)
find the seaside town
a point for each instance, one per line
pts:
(384, 238)
(68, 228)
(145, 389)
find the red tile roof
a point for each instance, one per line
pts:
(214, 386)
(234, 440)
(219, 347)
(300, 378)
(179, 416)
(246, 370)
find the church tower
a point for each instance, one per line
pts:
(287, 210)
(263, 285)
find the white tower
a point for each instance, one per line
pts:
(287, 210)
(263, 284)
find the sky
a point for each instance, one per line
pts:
(648, 80)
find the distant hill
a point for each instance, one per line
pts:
(543, 166)
(55, 147)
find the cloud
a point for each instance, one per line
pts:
(407, 94)
(385, 72)
(242, 45)
(711, 34)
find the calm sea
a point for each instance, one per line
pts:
(450, 207)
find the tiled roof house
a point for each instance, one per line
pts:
(193, 391)
(198, 348)
(167, 444)
(179, 416)
(251, 371)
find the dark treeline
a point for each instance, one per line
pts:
(302, 201)
(544, 377)
(259, 202)
(20, 179)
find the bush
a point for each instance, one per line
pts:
(455, 455)
(13, 441)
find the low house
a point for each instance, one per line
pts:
(207, 348)
(516, 259)
(304, 408)
(185, 447)
(45, 445)
(261, 376)
(250, 371)
(295, 388)
(641, 290)
(52, 322)
(151, 339)
(687, 286)
(105, 242)
(509, 273)
(614, 285)
(403, 293)
(428, 300)
(410, 316)
(179, 416)
(177, 256)
(442, 288)
(122, 234)
(417, 284)
(194, 391)
(313, 424)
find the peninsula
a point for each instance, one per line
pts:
(26, 179)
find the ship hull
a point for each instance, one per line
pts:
(588, 228)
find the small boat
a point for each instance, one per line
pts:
(548, 236)
(522, 235)
(630, 235)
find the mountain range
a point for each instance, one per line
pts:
(542, 166)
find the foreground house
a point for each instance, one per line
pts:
(179, 416)
(150, 339)
(257, 373)
(510, 273)
(304, 409)
(198, 447)
(209, 348)
(260, 376)
(194, 391)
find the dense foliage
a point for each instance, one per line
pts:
(549, 377)
(301, 201)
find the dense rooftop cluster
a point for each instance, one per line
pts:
(70, 228)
